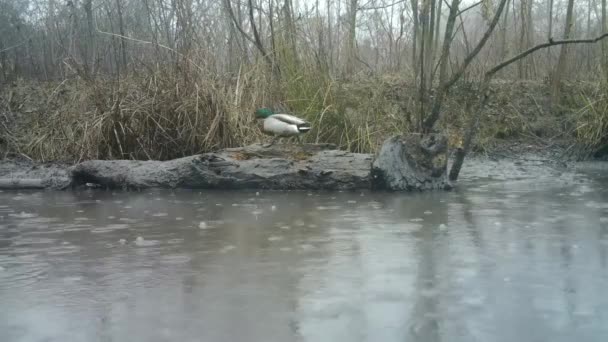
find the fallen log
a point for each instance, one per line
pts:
(405, 163)
(280, 167)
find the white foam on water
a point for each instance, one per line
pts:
(226, 249)
(275, 238)
(307, 247)
(175, 259)
(179, 218)
(23, 214)
(285, 249)
(141, 242)
(160, 214)
(285, 227)
(109, 228)
(273, 208)
(428, 212)
(597, 205)
(202, 225)
(330, 207)
(443, 226)
(417, 219)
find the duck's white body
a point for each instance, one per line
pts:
(285, 125)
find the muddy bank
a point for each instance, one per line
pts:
(281, 167)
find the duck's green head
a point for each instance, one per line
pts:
(263, 113)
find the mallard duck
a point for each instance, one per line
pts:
(281, 125)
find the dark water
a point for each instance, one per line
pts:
(515, 260)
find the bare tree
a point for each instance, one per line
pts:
(561, 64)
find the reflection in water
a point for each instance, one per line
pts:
(503, 261)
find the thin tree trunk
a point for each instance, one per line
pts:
(523, 34)
(604, 43)
(529, 34)
(121, 28)
(291, 29)
(416, 29)
(443, 66)
(352, 36)
(89, 55)
(330, 45)
(437, 26)
(503, 34)
(430, 45)
(550, 30)
(562, 62)
(588, 35)
(424, 18)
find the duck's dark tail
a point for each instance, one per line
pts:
(304, 127)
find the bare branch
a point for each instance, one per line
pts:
(236, 23)
(480, 45)
(470, 7)
(362, 8)
(474, 120)
(533, 49)
(445, 86)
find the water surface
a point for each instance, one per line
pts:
(516, 260)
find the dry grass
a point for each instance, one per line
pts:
(160, 115)
(163, 114)
(591, 121)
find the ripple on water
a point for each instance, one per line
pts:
(76, 227)
(329, 207)
(141, 242)
(175, 259)
(23, 215)
(22, 272)
(109, 228)
(597, 205)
